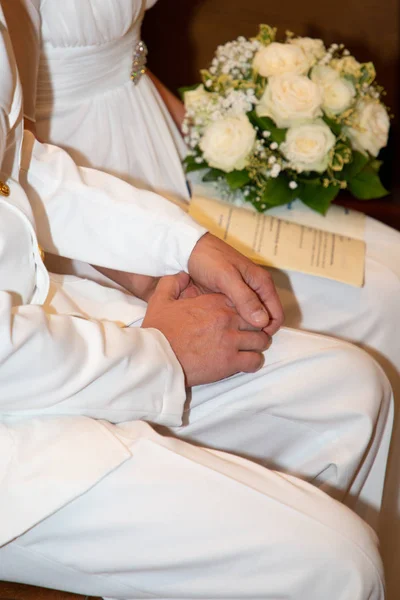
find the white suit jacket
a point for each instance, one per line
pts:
(90, 372)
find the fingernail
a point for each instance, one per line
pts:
(262, 362)
(260, 317)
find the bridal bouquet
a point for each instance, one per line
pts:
(275, 121)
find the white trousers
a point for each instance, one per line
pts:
(369, 317)
(177, 521)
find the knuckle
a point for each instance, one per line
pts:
(228, 315)
(221, 317)
(250, 300)
(226, 276)
(260, 275)
(266, 275)
(265, 340)
(277, 321)
(225, 360)
(221, 277)
(254, 361)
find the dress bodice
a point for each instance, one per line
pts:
(88, 101)
(87, 48)
(89, 22)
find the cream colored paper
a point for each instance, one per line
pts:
(277, 243)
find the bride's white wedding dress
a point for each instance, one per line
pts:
(87, 104)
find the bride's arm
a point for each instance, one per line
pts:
(175, 107)
(23, 23)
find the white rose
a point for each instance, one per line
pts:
(290, 99)
(323, 75)
(338, 93)
(277, 59)
(197, 97)
(227, 143)
(307, 146)
(371, 127)
(313, 49)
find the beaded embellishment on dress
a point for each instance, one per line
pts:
(139, 62)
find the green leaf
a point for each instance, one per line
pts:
(354, 167)
(368, 73)
(366, 185)
(335, 127)
(189, 168)
(309, 179)
(350, 78)
(267, 124)
(376, 164)
(213, 175)
(190, 164)
(278, 192)
(237, 179)
(318, 198)
(188, 88)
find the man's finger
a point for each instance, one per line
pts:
(256, 341)
(246, 301)
(243, 325)
(259, 280)
(170, 287)
(191, 291)
(249, 362)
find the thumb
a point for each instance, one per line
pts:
(170, 287)
(247, 303)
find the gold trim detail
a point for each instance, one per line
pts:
(4, 189)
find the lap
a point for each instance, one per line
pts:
(174, 520)
(89, 299)
(318, 409)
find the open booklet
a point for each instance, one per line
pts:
(285, 244)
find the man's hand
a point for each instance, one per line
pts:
(215, 266)
(209, 338)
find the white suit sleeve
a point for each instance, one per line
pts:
(65, 365)
(53, 364)
(91, 216)
(85, 214)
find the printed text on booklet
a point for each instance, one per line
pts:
(281, 244)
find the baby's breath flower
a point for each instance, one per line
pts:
(276, 169)
(231, 90)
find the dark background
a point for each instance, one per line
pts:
(182, 36)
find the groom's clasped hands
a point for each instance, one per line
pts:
(219, 318)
